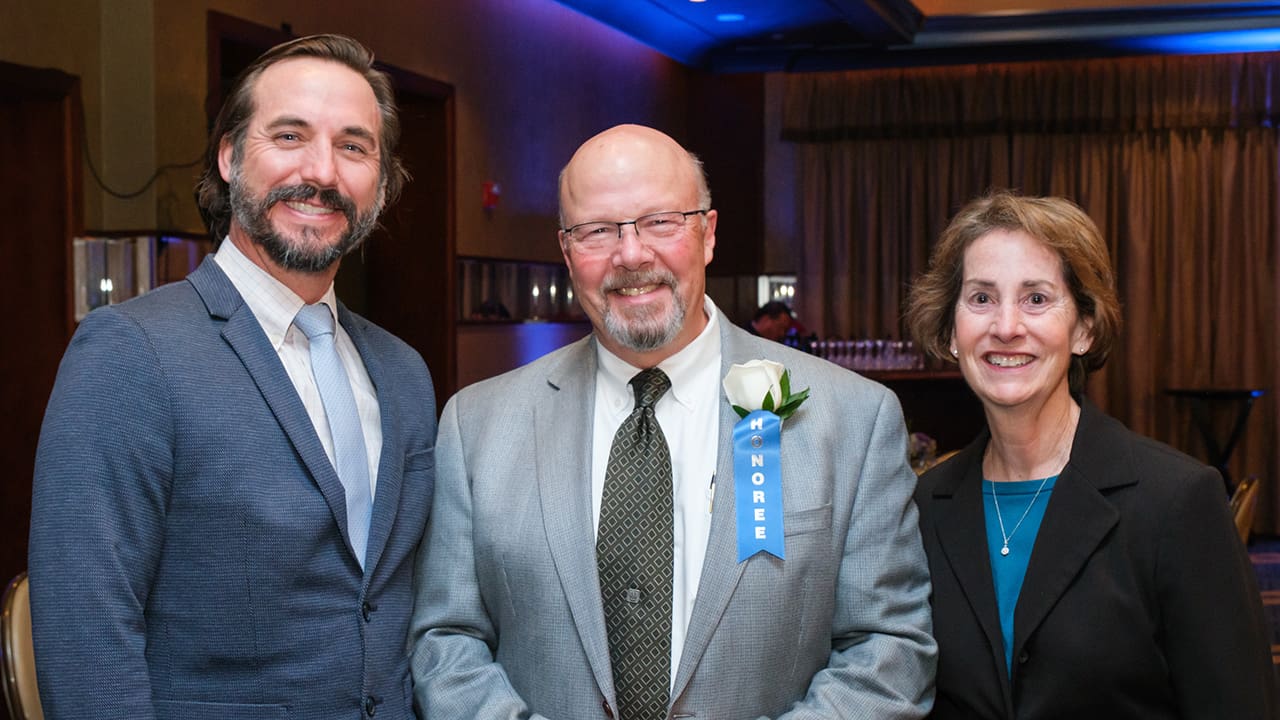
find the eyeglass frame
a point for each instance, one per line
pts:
(567, 233)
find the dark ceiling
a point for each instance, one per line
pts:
(808, 35)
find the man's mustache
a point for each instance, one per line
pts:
(638, 279)
(329, 197)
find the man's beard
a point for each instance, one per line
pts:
(644, 329)
(306, 253)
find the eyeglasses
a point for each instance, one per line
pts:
(654, 230)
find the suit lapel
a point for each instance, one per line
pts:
(390, 466)
(962, 536)
(1075, 523)
(562, 420)
(721, 570)
(243, 333)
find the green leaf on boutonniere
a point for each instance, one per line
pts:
(792, 403)
(742, 412)
(767, 403)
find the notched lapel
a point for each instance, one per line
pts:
(962, 536)
(1078, 519)
(563, 414)
(1075, 523)
(244, 334)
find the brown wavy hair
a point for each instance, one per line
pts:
(213, 194)
(1058, 223)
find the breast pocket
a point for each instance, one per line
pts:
(420, 475)
(807, 521)
(421, 461)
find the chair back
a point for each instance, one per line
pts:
(922, 469)
(1244, 502)
(18, 654)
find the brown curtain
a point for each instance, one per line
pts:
(1175, 157)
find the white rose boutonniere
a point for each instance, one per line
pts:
(762, 385)
(760, 392)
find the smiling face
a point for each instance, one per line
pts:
(1016, 324)
(644, 301)
(305, 178)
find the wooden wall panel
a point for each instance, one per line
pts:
(40, 200)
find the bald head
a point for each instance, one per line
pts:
(622, 154)
(643, 288)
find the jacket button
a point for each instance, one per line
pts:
(370, 707)
(608, 711)
(1023, 657)
(366, 610)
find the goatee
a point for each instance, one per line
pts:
(306, 253)
(644, 329)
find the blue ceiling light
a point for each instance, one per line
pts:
(1231, 41)
(815, 35)
(660, 24)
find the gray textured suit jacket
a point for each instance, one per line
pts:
(508, 620)
(189, 554)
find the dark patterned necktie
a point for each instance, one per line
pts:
(634, 549)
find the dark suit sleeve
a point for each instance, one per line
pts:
(1214, 631)
(103, 472)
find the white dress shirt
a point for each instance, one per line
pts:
(689, 416)
(275, 306)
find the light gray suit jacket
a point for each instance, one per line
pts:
(508, 621)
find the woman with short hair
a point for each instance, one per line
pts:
(1079, 570)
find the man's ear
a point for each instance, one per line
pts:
(225, 151)
(709, 237)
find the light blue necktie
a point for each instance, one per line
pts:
(351, 459)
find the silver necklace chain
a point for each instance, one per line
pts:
(995, 497)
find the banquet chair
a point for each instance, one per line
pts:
(936, 462)
(1244, 501)
(17, 655)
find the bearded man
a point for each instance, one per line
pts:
(234, 470)
(585, 558)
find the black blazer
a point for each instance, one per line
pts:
(1139, 600)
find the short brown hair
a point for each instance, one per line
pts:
(1058, 223)
(213, 194)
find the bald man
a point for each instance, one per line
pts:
(530, 605)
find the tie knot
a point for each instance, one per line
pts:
(649, 385)
(314, 320)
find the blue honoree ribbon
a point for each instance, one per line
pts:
(757, 484)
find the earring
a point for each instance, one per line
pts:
(955, 352)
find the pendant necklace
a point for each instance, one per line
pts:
(995, 498)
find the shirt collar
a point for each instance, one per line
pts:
(684, 368)
(272, 302)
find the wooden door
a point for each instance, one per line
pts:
(403, 278)
(40, 201)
